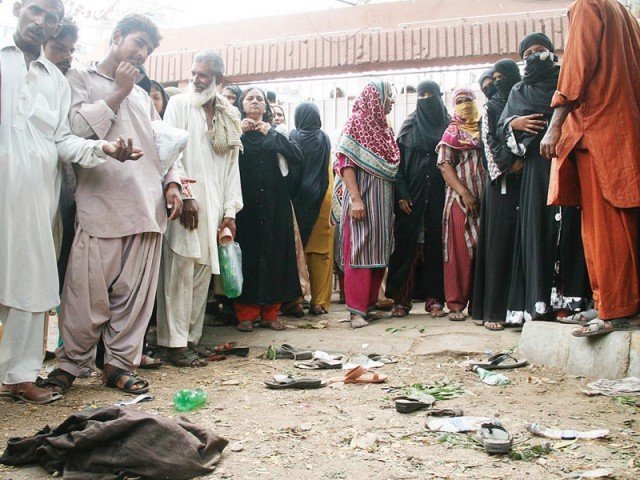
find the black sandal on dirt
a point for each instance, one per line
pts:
(184, 357)
(289, 352)
(118, 373)
(231, 348)
(501, 361)
(58, 378)
(494, 438)
(287, 381)
(413, 404)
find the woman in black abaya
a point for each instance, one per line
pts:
(499, 210)
(419, 202)
(549, 272)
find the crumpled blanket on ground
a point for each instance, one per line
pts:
(613, 388)
(112, 442)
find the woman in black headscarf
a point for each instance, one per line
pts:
(313, 202)
(419, 202)
(499, 210)
(486, 84)
(549, 271)
(265, 224)
(233, 94)
(159, 97)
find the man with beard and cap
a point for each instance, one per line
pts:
(549, 272)
(122, 213)
(595, 130)
(34, 136)
(499, 208)
(190, 247)
(460, 161)
(486, 84)
(419, 202)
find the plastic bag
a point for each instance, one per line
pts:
(230, 257)
(170, 142)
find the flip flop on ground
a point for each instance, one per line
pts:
(494, 437)
(361, 374)
(320, 364)
(289, 352)
(287, 381)
(413, 404)
(457, 316)
(501, 361)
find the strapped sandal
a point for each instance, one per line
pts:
(501, 361)
(289, 352)
(457, 316)
(112, 382)
(29, 392)
(599, 327)
(445, 412)
(201, 351)
(185, 358)
(276, 325)
(58, 378)
(148, 362)
(287, 381)
(320, 364)
(581, 318)
(436, 310)
(361, 374)
(231, 348)
(399, 311)
(245, 326)
(493, 326)
(494, 438)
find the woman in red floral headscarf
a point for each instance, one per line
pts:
(368, 158)
(460, 161)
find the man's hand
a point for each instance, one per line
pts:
(471, 203)
(125, 77)
(189, 216)
(247, 125)
(405, 206)
(530, 123)
(358, 212)
(550, 142)
(186, 188)
(229, 223)
(122, 151)
(174, 201)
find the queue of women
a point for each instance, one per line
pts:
(453, 211)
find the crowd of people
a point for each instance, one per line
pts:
(525, 209)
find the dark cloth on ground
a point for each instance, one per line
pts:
(110, 443)
(265, 224)
(316, 153)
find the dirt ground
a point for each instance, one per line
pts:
(293, 434)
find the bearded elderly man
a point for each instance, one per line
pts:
(34, 134)
(190, 250)
(114, 263)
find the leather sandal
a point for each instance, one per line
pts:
(58, 378)
(118, 373)
(29, 392)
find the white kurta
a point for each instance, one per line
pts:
(34, 135)
(217, 189)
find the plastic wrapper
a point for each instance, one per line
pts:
(170, 142)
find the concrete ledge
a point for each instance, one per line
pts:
(616, 355)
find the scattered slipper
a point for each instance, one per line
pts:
(445, 412)
(287, 381)
(320, 364)
(501, 361)
(494, 437)
(289, 352)
(231, 348)
(378, 358)
(413, 404)
(360, 374)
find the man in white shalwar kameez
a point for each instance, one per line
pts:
(34, 134)
(190, 248)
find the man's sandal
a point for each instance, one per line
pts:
(185, 358)
(29, 392)
(58, 381)
(599, 327)
(118, 373)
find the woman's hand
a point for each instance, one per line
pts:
(470, 203)
(358, 212)
(262, 127)
(517, 166)
(530, 123)
(247, 125)
(405, 206)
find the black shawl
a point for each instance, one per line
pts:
(316, 152)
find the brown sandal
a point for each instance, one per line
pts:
(361, 374)
(273, 325)
(245, 326)
(29, 392)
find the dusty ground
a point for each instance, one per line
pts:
(308, 434)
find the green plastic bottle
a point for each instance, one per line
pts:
(186, 400)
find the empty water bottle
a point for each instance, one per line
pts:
(490, 377)
(186, 400)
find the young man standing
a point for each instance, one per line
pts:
(122, 213)
(34, 133)
(190, 250)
